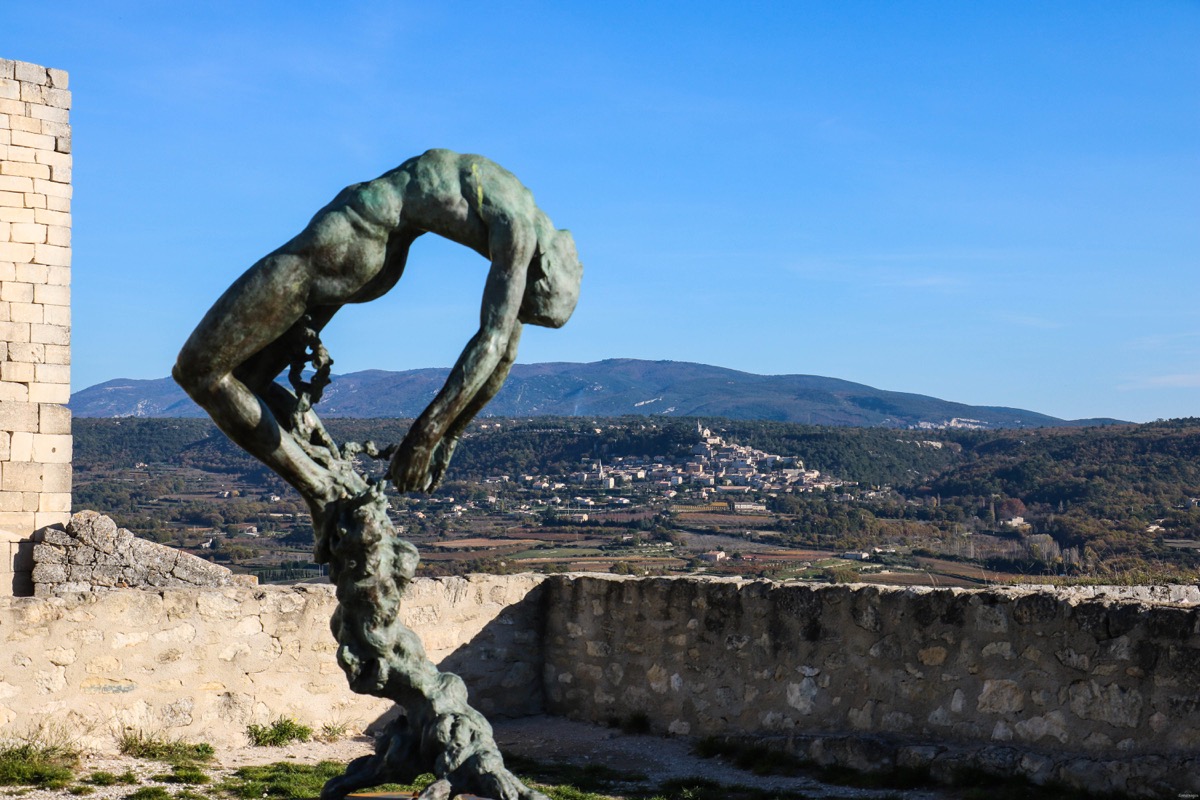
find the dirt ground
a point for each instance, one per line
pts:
(542, 739)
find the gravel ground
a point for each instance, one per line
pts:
(543, 739)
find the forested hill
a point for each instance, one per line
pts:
(611, 388)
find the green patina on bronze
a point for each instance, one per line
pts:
(354, 250)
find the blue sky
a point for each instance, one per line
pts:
(994, 203)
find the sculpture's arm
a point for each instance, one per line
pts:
(476, 370)
(445, 449)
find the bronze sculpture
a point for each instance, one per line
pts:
(354, 250)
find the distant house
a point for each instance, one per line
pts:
(713, 556)
(857, 556)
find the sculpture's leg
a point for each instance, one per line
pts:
(439, 731)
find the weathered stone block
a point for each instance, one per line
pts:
(20, 417)
(50, 393)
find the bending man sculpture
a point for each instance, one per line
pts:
(355, 250)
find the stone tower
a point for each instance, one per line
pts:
(35, 312)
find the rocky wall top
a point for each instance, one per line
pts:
(92, 553)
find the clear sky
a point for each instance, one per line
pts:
(989, 202)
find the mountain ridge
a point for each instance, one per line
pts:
(609, 388)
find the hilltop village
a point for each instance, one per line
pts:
(726, 474)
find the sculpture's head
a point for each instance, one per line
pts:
(552, 283)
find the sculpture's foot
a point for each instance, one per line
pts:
(459, 751)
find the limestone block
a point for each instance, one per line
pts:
(46, 187)
(28, 352)
(49, 334)
(26, 124)
(4, 442)
(16, 371)
(53, 418)
(30, 73)
(57, 354)
(52, 373)
(14, 251)
(35, 201)
(58, 203)
(17, 154)
(11, 199)
(44, 518)
(26, 312)
(17, 185)
(20, 448)
(16, 292)
(52, 256)
(13, 392)
(10, 89)
(12, 107)
(58, 98)
(59, 276)
(56, 478)
(60, 174)
(29, 170)
(52, 448)
(37, 141)
(49, 114)
(15, 332)
(52, 159)
(30, 233)
(57, 315)
(17, 520)
(33, 93)
(58, 235)
(50, 393)
(17, 213)
(20, 417)
(47, 217)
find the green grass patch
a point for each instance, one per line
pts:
(188, 794)
(291, 781)
(149, 793)
(280, 732)
(45, 759)
(188, 774)
(103, 778)
(156, 747)
(79, 790)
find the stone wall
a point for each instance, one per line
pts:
(35, 315)
(1070, 685)
(203, 664)
(1096, 688)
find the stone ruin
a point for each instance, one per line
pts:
(91, 553)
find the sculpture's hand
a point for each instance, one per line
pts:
(411, 466)
(441, 460)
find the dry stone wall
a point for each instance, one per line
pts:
(1092, 689)
(35, 286)
(92, 553)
